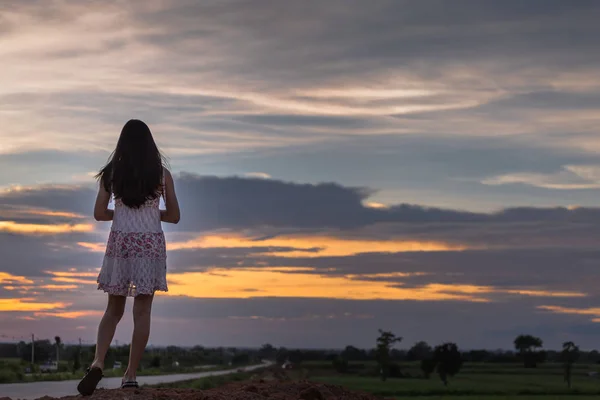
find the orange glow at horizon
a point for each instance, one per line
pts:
(243, 283)
(72, 273)
(5, 277)
(58, 287)
(50, 213)
(27, 304)
(69, 314)
(314, 246)
(593, 311)
(15, 227)
(304, 246)
(276, 282)
(24, 211)
(73, 277)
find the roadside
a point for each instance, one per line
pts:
(34, 390)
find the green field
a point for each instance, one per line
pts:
(479, 380)
(475, 381)
(549, 397)
(467, 385)
(12, 371)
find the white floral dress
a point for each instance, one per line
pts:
(135, 261)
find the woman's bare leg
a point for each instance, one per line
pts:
(108, 325)
(142, 308)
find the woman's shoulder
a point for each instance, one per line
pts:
(167, 177)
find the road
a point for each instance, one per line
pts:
(34, 390)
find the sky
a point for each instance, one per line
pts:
(425, 167)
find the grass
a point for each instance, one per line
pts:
(474, 382)
(480, 381)
(11, 371)
(210, 381)
(549, 397)
(467, 385)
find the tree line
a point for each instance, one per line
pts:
(446, 360)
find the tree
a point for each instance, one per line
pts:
(569, 356)
(385, 342)
(241, 359)
(527, 345)
(352, 353)
(155, 362)
(419, 352)
(43, 350)
(340, 364)
(427, 367)
(267, 352)
(448, 360)
(77, 359)
(57, 342)
(281, 356)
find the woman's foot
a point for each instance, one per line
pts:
(90, 381)
(129, 383)
(97, 364)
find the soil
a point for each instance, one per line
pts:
(258, 390)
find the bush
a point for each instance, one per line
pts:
(340, 365)
(395, 371)
(7, 376)
(428, 367)
(155, 363)
(208, 383)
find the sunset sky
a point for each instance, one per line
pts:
(427, 167)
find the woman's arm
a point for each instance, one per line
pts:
(171, 214)
(101, 211)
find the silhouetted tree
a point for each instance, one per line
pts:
(155, 362)
(448, 360)
(340, 364)
(420, 351)
(267, 352)
(43, 350)
(281, 356)
(385, 342)
(428, 367)
(527, 346)
(352, 353)
(569, 356)
(76, 359)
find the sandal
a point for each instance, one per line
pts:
(89, 382)
(129, 384)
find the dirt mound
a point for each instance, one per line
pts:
(260, 390)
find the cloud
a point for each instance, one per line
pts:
(443, 108)
(261, 175)
(226, 67)
(258, 207)
(571, 177)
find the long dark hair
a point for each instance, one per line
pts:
(135, 168)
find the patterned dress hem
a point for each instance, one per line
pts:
(130, 290)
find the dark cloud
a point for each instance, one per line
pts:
(78, 199)
(211, 203)
(31, 256)
(274, 39)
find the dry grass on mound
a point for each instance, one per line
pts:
(260, 390)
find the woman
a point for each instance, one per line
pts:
(135, 259)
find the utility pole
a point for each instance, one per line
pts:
(32, 350)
